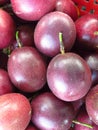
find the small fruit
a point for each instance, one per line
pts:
(69, 76)
(15, 112)
(46, 35)
(27, 69)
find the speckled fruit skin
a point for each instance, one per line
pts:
(15, 112)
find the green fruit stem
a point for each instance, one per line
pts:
(17, 39)
(82, 124)
(62, 49)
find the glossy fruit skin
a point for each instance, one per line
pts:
(67, 7)
(15, 112)
(87, 32)
(32, 10)
(27, 69)
(91, 104)
(46, 34)
(69, 76)
(50, 113)
(26, 34)
(7, 29)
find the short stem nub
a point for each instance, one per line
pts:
(62, 49)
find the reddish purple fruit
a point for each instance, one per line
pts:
(7, 29)
(69, 76)
(50, 113)
(87, 32)
(27, 69)
(68, 7)
(46, 35)
(32, 10)
(15, 112)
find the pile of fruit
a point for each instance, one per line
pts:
(48, 65)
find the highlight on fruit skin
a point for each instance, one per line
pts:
(32, 10)
(69, 76)
(15, 111)
(46, 34)
(44, 49)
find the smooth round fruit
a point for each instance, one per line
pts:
(92, 104)
(46, 34)
(15, 112)
(68, 7)
(27, 69)
(50, 113)
(87, 32)
(69, 76)
(32, 10)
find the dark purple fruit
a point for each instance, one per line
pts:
(46, 35)
(87, 32)
(50, 113)
(68, 7)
